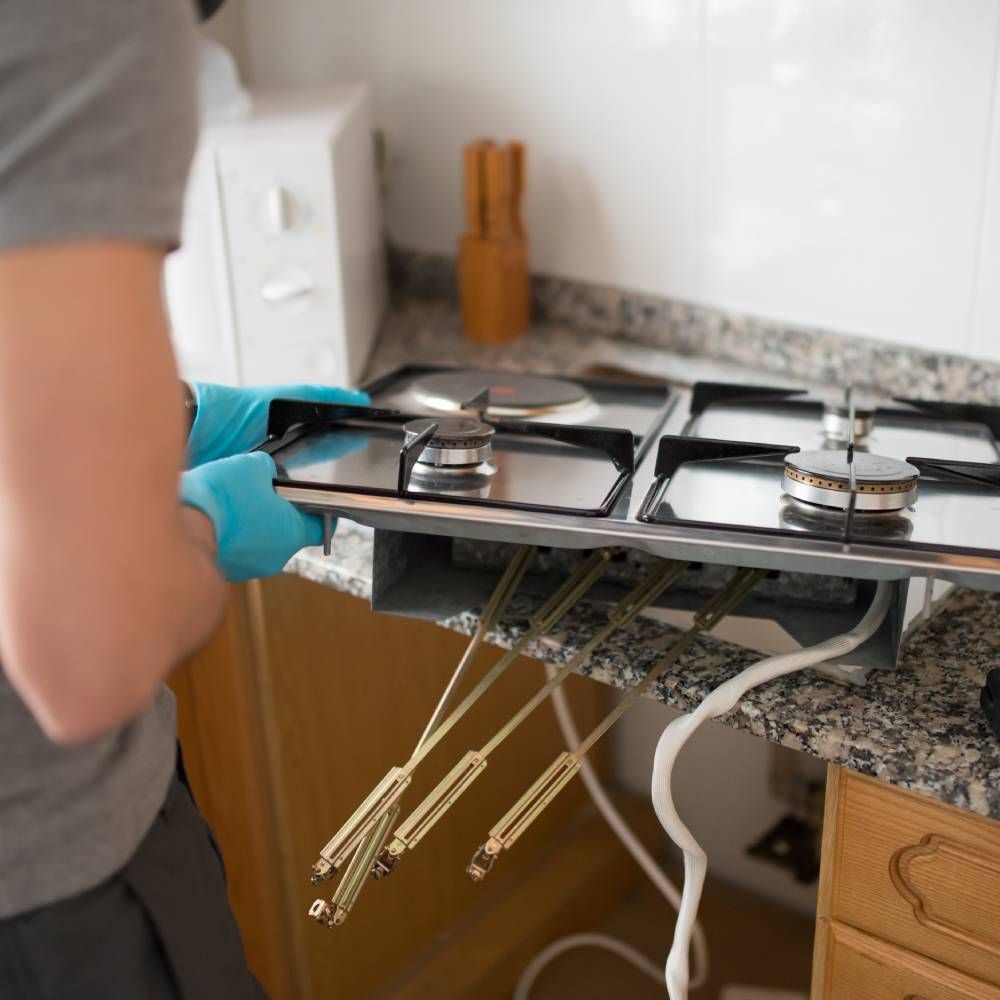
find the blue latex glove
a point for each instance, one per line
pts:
(232, 420)
(256, 531)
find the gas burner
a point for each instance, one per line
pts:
(458, 445)
(823, 478)
(837, 419)
(510, 394)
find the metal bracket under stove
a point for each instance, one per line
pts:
(416, 576)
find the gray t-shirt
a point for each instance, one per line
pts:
(98, 121)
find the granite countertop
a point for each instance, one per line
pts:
(919, 727)
(430, 332)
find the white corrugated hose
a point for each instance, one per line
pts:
(720, 701)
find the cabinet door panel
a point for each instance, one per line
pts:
(914, 872)
(858, 965)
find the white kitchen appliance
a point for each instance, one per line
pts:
(281, 277)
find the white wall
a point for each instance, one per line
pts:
(828, 162)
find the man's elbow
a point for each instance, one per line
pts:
(76, 727)
(93, 703)
(66, 729)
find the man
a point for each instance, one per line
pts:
(113, 563)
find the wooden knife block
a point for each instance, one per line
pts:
(494, 287)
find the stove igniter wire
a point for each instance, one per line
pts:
(718, 702)
(642, 857)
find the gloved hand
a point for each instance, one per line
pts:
(232, 420)
(256, 531)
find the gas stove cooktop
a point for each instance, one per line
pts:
(772, 478)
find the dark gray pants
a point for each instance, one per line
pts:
(160, 929)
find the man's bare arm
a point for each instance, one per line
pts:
(106, 582)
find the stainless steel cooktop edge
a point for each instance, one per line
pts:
(806, 555)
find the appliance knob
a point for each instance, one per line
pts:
(279, 210)
(286, 285)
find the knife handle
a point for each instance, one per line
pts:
(498, 193)
(516, 153)
(475, 187)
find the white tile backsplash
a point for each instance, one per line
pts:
(843, 162)
(985, 332)
(611, 186)
(824, 162)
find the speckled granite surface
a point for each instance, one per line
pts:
(430, 331)
(782, 349)
(919, 727)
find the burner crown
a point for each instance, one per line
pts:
(824, 478)
(457, 442)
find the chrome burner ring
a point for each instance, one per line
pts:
(461, 481)
(823, 478)
(458, 442)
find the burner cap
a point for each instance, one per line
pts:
(824, 478)
(511, 394)
(458, 441)
(837, 418)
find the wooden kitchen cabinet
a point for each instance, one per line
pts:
(909, 902)
(299, 705)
